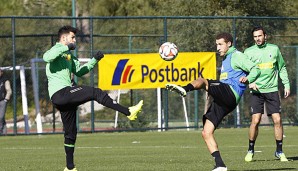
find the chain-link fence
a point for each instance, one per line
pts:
(24, 40)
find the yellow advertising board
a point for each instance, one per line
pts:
(148, 70)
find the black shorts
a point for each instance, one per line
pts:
(272, 101)
(67, 100)
(224, 102)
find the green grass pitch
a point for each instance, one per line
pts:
(149, 151)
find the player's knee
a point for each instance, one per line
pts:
(277, 121)
(70, 138)
(255, 121)
(199, 83)
(203, 134)
(100, 96)
(206, 134)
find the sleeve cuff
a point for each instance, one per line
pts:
(287, 86)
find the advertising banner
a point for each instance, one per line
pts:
(148, 70)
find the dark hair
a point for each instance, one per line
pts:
(66, 30)
(256, 28)
(226, 36)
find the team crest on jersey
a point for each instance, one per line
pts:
(67, 56)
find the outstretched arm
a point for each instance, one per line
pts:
(79, 70)
(55, 52)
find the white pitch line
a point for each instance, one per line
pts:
(136, 146)
(99, 147)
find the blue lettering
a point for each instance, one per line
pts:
(162, 77)
(183, 74)
(192, 71)
(153, 71)
(171, 74)
(167, 73)
(144, 73)
(175, 70)
(200, 72)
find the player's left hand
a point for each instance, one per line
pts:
(98, 55)
(287, 93)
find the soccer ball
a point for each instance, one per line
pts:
(168, 51)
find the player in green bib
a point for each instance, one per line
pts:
(265, 89)
(66, 97)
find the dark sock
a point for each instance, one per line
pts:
(188, 87)
(251, 145)
(218, 159)
(110, 103)
(69, 150)
(279, 145)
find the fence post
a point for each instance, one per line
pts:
(165, 94)
(196, 104)
(14, 75)
(36, 94)
(92, 74)
(296, 80)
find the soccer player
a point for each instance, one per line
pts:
(61, 63)
(226, 92)
(265, 89)
(5, 94)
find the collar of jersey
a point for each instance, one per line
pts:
(262, 45)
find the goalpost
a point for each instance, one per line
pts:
(160, 113)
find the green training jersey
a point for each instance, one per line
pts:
(240, 62)
(60, 65)
(272, 65)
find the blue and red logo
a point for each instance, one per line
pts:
(122, 71)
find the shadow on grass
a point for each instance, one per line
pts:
(293, 158)
(266, 169)
(289, 158)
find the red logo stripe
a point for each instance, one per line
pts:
(124, 79)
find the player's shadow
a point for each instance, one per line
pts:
(289, 158)
(266, 169)
(293, 158)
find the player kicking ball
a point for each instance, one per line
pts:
(61, 63)
(226, 92)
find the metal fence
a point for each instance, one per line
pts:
(24, 40)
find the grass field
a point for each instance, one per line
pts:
(149, 151)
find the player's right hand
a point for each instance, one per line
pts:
(253, 86)
(287, 93)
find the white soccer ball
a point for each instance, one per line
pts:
(168, 51)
